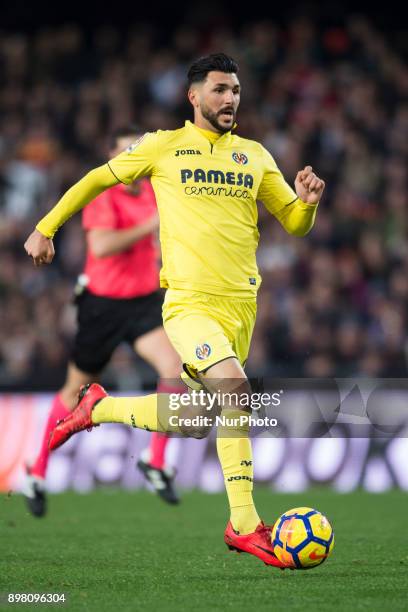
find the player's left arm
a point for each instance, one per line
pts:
(309, 187)
(296, 211)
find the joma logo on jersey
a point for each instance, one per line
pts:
(187, 152)
(216, 176)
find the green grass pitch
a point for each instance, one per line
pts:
(114, 550)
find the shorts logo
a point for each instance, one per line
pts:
(203, 351)
(240, 158)
(135, 144)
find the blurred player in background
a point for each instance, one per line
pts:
(207, 182)
(118, 299)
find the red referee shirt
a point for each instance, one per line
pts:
(133, 272)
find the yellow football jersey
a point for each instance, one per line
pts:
(206, 193)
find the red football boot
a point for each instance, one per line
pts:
(257, 543)
(80, 418)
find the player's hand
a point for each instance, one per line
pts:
(40, 248)
(152, 224)
(309, 187)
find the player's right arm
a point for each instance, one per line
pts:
(137, 161)
(39, 244)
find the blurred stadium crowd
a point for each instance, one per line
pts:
(333, 304)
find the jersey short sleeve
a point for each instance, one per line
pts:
(100, 213)
(274, 191)
(137, 161)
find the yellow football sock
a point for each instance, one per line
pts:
(235, 455)
(139, 412)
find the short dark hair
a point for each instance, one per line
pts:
(216, 61)
(123, 132)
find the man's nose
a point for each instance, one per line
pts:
(229, 97)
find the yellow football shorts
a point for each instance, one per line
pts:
(205, 329)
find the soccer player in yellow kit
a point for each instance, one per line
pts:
(207, 181)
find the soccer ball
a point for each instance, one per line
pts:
(302, 538)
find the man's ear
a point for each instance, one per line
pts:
(193, 96)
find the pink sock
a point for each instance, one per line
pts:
(58, 411)
(157, 448)
(159, 441)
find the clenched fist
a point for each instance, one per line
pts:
(40, 248)
(309, 187)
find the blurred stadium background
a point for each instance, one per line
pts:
(321, 85)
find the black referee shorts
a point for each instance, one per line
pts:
(103, 323)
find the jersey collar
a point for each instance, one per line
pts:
(224, 139)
